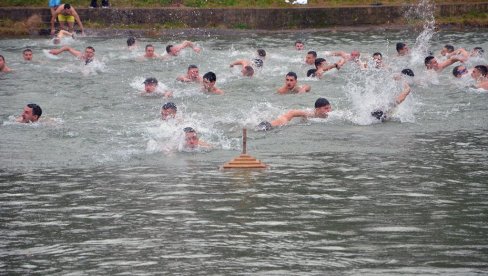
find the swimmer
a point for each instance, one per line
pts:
(192, 75)
(247, 69)
(174, 50)
(60, 34)
(432, 64)
(354, 56)
(149, 52)
(258, 62)
(32, 113)
(447, 50)
(310, 57)
(209, 80)
(299, 45)
(385, 113)
(291, 85)
(377, 60)
(131, 43)
(192, 141)
(322, 108)
(87, 57)
(477, 52)
(27, 54)
(3, 67)
(151, 88)
(66, 13)
(168, 111)
(479, 75)
(321, 67)
(402, 49)
(460, 71)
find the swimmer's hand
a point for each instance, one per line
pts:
(197, 49)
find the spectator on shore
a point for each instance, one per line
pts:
(105, 4)
(66, 13)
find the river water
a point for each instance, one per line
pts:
(103, 186)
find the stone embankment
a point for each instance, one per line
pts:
(245, 18)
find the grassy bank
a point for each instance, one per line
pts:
(220, 3)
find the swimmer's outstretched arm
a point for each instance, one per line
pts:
(406, 90)
(288, 116)
(341, 54)
(186, 44)
(242, 62)
(72, 51)
(449, 62)
(462, 54)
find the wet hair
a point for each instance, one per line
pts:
(91, 48)
(36, 110)
(479, 50)
(456, 72)
(149, 45)
(292, 74)
(261, 52)
(169, 105)
(67, 6)
(449, 48)
(151, 81)
(210, 76)
(298, 42)
(408, 72)
(319, 61)
(321, 102)
(2, 57)
(311, 72)
(483, 69)
(27, 50)
(192, 66)
(249, 71)
(377, 54)
(313, 53)
(400, 46)
(189, 130)
(168, 48)
(131, 41)
(428, 60)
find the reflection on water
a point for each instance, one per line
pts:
(95, 192)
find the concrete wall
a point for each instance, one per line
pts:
(268, 19)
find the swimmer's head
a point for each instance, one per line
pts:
(459, 71)
(261, 53)
(408, 72)
(322, 107)
(150, 85)
(56, 40)
(355, 54)
(193, 72)
(131, 41)
(168, 111)
(318, 62)
(477, 51)
(447, 49)
(247, 71)
(149, 50)
(89, 53)
(291, 80)
(299, 45)
(311, 73)
(430, 62)
(479, 71)
(310, 57)
(32, 112)
(209, 80)
(67, 6)
(27, 54)
(191, 137)
(402, 48)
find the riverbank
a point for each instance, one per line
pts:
(32, 21)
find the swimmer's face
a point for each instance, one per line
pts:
(168, 113)
(191, 140)
(299, 46)
(321, 112)
(403, 51)
(208, 84)
(309, 59)
(174, 51)
(28, 116)
(444, 51)
(355, 55)
(27, 55)
(150, 87)
(290, 82)
(89, 53)
(475, 53)
(2, 63)
(476, 74)
(433, 64)
(461, 70)
(150, 52)
(193, 73)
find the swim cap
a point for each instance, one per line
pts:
(321, 102)
(408, 72)
(264, 126)
(378, 114)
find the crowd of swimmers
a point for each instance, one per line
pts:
(66, 13)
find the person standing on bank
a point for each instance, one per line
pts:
(94, 4)
(66, 13)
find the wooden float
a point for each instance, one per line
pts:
(244, 161)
